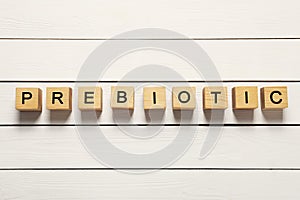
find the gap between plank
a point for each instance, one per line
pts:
(101, 39)
(143, 125)
(161, 169)
(149, 81)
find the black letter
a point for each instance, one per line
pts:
(58, 98)
(154, 97)
(216, 96)
(246, 97)
(121, 97)
(26, 98)
(271, 97)
(188, 97)
(86, 97)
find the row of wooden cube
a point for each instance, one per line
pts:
(122, 97)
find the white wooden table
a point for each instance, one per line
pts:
(44, 43)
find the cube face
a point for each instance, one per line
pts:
(154, 98)
(215, 98)
(122, 97)
(184, 98)
(59, 98)
(274, 98)
(29, 99)
(245, 98)
(90, 98)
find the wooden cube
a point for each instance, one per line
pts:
(184, 98)
(122, 97)
(215, 98)
(274, 98)
(59, 98)
(28, 99)
(245, 98)
(90, 98)
(154, 98)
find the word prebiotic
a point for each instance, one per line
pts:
(183, 98)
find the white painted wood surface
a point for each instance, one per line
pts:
(238, 147)
(234, 60)
(104, 19)
(50, 40)
(247, 185)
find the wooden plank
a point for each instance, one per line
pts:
(234, 60)
(177, 185)
(9, 115)
(104, 19)
(237, 147)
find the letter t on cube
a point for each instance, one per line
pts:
(215, 98)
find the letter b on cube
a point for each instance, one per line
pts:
(122, 97)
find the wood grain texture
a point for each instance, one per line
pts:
(164, 185)
(90, 98)
(29, 99)
(245, 97)
(184, 98)
(237, 147)
(122, 97)
(59, 98)
(215, 98)
(273, 98)
(50, 41)
(104, 19)
(154, 98)
(234, 60)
